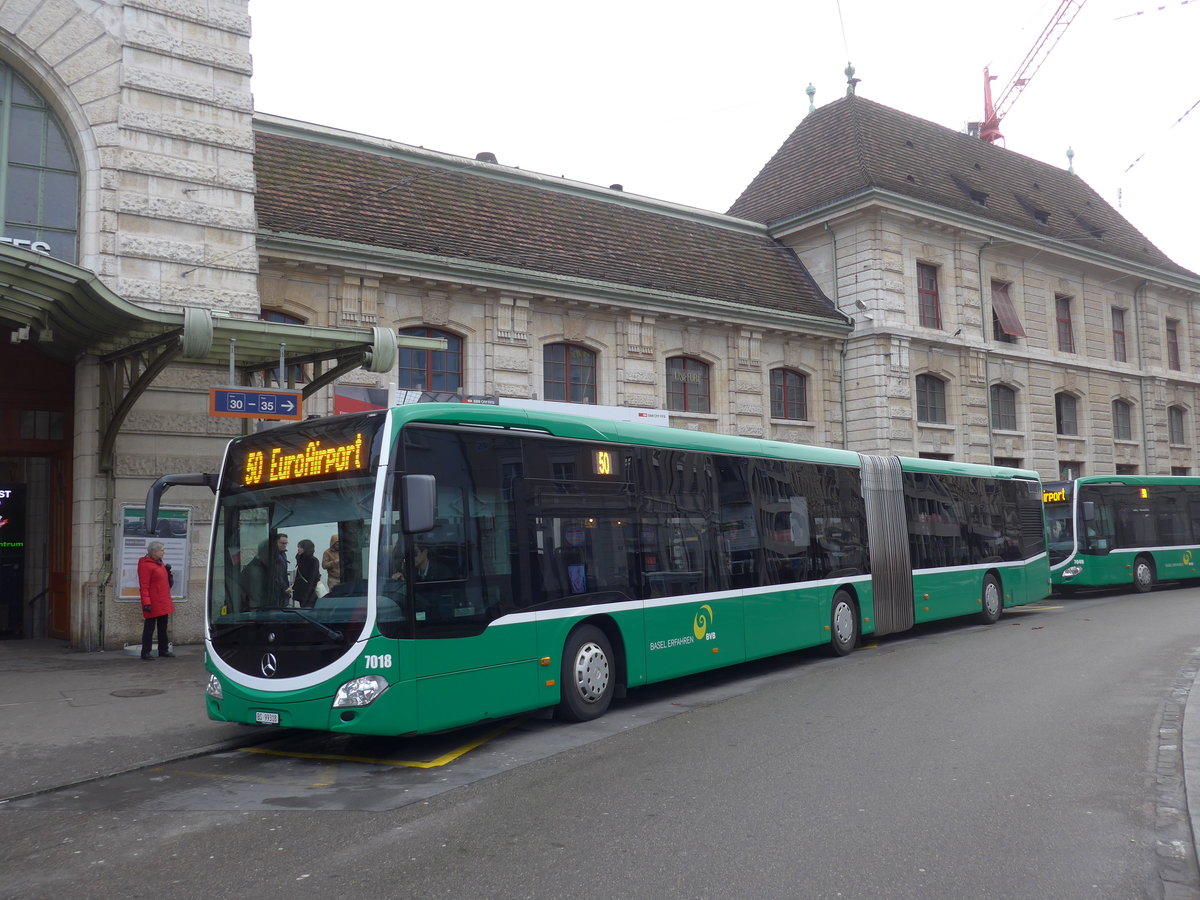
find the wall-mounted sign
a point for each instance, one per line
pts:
(174, 523)
(255, 403)
(12, 559)
(12, 517)
(36, 246)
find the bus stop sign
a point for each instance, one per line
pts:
(255, 403)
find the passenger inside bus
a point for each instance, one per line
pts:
(264, 581)
(425, 566)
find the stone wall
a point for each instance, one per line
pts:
(155, 97)
(503, 334)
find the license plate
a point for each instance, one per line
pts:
(265, 718)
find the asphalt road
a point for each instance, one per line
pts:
(1036, 758)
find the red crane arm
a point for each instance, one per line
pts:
(990, 128)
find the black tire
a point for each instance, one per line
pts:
(1143, 574)
(844, 625)
(992, 600)
(588, 675)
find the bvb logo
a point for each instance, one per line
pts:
(701, 622)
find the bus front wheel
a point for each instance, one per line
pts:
(1143, 575)
(992, 602)
(843, 624)
(587, 675)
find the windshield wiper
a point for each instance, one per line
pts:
(329, 632)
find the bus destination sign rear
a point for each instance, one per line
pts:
(255, 403)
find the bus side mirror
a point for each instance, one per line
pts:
(1089, 510)
(419, 507)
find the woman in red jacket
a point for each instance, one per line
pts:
(154, 579)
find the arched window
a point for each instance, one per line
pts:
(1122, 419)
(1066, 420)
(1004, 408)
(569, 373)
(431, 370)
(931, 399)
(687, 385)
(1175, 425)
(39, 192)
(789, 394)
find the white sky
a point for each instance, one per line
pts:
(685, 102)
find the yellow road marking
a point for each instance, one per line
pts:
(442, 760)
(240, 779)
(328, 776)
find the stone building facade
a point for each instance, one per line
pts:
(128, 221)
(1004, 312)
(884, 284)
(528, 266)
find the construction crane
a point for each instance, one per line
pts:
(989, 128)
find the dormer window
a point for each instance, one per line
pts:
(1094, 231)
(976, 195)
(1040, 215)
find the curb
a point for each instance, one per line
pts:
(230, 744)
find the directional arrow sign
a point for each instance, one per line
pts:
(255, 403)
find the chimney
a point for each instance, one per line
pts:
(486, 157)
(616, 187)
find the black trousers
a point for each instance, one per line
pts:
(148, 634)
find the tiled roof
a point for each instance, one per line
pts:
(461, 210)
(854, 144)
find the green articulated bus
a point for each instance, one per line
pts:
(494, 560)
(1122, 530)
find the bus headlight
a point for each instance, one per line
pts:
(213, 689)
(360, 691)
(1072, 571)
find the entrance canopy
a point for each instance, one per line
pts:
(68, 311)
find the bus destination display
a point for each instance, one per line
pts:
(284, 456)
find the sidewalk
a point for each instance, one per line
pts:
(68, 716)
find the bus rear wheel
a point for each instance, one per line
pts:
(1143, 575)
(587, 681)
(843, 624)
(992, 601)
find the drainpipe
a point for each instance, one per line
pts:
(984, 308)
(845, 341)
(1137, 337)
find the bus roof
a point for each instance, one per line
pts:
(594, 429)
(1135, 480)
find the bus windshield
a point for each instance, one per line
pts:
(1060, 532)
(1057, 504)
(290, 564)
